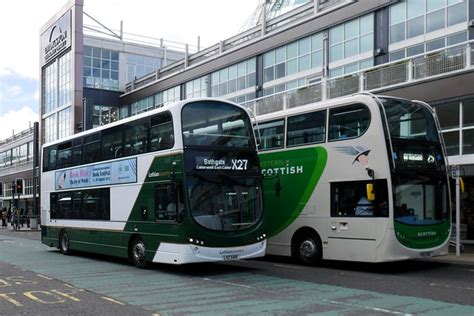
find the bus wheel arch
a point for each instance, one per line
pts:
(137, 251)
(306, 246)
(64, 244)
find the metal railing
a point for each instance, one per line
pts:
(16, 168)
(284, 21)
(17, 136)
(426, 66)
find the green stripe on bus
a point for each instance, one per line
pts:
(290, 178)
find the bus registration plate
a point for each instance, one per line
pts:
(230, 257)
(426, 254)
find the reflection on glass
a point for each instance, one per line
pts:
(468, 142)
(420, 201)
(224, 203)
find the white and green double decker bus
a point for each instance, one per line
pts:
(360, 178)
(177, 184)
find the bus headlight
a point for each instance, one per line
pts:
(196, 241)
(262, 237)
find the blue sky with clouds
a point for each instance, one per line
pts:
(19, 102)
(17, 91)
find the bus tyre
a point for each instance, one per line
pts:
(307, 249)
(137, 253)
(64, 243)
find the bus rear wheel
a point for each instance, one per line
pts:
(137, 253)
(64, 246)
(307, 249)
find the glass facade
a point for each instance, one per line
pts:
(101, 68)
(295, 57)
(428, 46)
(196, 88)
(352, 67)
(351, 38)
(57, 98)
(156, 101)
(411, 18)
(50, 87)
(234, 78)
(457, 123)
(138, 66)
(15, 155)
(102, 115)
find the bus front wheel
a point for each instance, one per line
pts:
(64, 246)
(307, 248)
(137, 253)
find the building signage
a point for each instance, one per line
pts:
(117, 172)
(56, 38)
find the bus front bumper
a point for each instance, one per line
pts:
(189, 253)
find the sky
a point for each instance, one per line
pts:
(173, 20)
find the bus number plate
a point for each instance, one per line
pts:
(230, 257)
(426, 254)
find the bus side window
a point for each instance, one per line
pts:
(91, 148)
(349, 199)
(348, 121)
(53, 150)
(307, 128)
(136, 138)
(272, 134)
(46, 153)
(161, 132)
(112, 143)
(64, 155)
(77, 152)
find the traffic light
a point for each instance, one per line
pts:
(19, 186)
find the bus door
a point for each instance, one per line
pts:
(168, 206)
(356, 211)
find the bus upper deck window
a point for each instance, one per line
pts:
(348, 121)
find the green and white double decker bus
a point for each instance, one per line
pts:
(360, 178)
(177, 184)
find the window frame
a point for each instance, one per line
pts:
(330, 126)
(378, 208)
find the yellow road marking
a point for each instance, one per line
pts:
(34, 297)
(9, 299)
(68, 295)
(112, 300)
(44, 277)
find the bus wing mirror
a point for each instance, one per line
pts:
(370, 192)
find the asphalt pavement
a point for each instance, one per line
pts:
(272, 285)
(466, 257)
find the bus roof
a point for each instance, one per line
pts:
(357, 97)
(173, 107)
